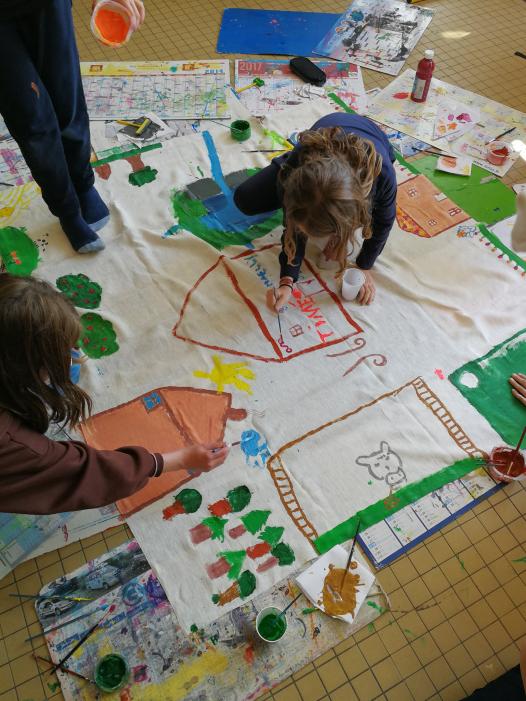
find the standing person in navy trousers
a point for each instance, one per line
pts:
(43, 105)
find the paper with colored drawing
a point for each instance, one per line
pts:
(454, 119)
(177, 303)
(394, 108)
(457, 165)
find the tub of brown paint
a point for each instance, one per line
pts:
(498, 153)
(507, 464)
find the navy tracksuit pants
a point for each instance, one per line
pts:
(43, 104)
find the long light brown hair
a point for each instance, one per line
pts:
(328, 192)
(38, 328)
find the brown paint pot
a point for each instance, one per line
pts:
(507, 465)
(498, 153)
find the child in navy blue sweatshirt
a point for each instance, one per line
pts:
(338, 179)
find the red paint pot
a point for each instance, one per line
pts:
(498, 153)
(507, 465)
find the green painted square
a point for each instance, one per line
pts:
(484, 383)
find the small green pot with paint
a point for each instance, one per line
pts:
(270, 626)
(111, 673)
(240, 130)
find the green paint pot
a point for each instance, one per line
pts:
(270, 626)
(111, 673)
(240, 130)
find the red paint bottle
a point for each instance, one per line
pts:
(423, 76)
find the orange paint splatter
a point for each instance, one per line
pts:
(112, 26)
(35, 89)
(346, 601)
(248, 655)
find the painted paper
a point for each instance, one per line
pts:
(458, 165)
(454, 119)
(376, 34)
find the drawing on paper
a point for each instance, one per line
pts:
(206, 207)
(294, 462)
(162, 420)
(16, 200)
(423, 210)
(223, 374)
(18, 252)
(484, 383)
(140, 173)
(377, 34)
(283, 88)
(184, 91)
(13, 168)
(393, 107)
(454, 119)
(384, 465)
(313, 308)
(80, 290)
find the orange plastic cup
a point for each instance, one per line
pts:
(111, 23)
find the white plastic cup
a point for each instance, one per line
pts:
(265, 612)
(352, 283)
(117, 9)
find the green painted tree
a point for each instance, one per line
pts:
(97, 338)
(18, 252)
(80, 290)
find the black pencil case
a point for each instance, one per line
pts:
(307, 70)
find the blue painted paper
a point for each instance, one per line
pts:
(272, 31)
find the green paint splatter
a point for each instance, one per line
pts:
(117, 153)
(520, 559)
(305, 612)
(80, 290)
(142, 177)
(369, 482)
(272, 534)
(235, 559)
(409, 632)
(378, 608)
(255, 520)
(97, 337)
(386, 507)
(371, 627)
(194, 628)
(397, 529)
(283, 553)
(246, 584)
(53, 686)
(200, 171)
(214, 639)
(188, 213)
(461, 562)
(18, 252)
(190, 500)
(216, 526)
(239, 497)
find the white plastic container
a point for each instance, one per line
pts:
(352, 283)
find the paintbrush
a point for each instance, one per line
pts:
(504, 133)
(84, 638)
(53, 596)
(517, 448)
(279, 318)
(350, 554)
(289, 605)
(64, 669)
(45, 631)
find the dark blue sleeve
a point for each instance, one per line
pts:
(382, 219)
(292, 269)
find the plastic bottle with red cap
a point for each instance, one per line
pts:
(424, 74)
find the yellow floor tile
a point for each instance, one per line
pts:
(24, 668)
(373, 650)
(445, 636)
(6, 678)
(479, 648)
(366, 686)
(497, 636)
(472, 680)
(440, 673)
(406, 661)
(291, 693)
(426, 649)
(311, 687)
(453, 692)
(353, 662)
(344, 693)
(31, 689)
(305, 670)
(332, 674)
(420, 685)
(9, 696)
(386, 673)
(492, 669)
(482, 613)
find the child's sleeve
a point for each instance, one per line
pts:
(42, 476)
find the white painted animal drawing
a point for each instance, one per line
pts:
(384, 465)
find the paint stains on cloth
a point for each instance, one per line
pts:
(223, 374)
(345, 603)
(18, 252)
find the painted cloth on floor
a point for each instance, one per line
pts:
(184, 280)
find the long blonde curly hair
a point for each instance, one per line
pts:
(328, 192)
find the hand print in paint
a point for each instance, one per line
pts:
(384, 464)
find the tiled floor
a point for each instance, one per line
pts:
(471, 636)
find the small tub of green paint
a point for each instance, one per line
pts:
(270, 626)
(112, 673)
(240, 130)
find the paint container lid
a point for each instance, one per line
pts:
(111, 673)
(240, 130)
(507, 465)
(111, 23)
(270, 626)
